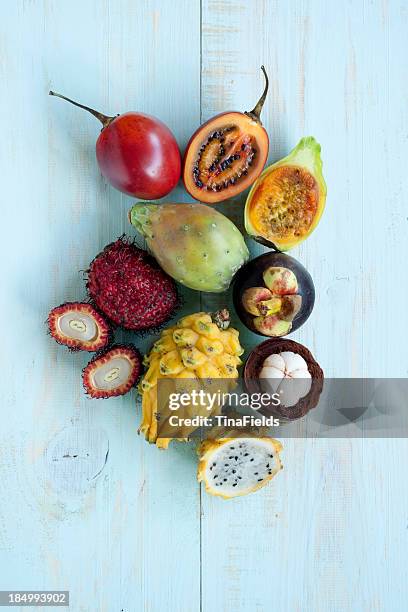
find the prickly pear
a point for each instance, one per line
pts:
(195, 244)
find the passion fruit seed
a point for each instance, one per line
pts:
(223, 159)
(287, 202)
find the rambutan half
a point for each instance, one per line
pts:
(113, 372)
(130, 288)
(79, 326)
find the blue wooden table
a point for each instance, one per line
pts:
(86, 504)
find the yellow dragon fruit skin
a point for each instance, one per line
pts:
(209, 347)
(195, 350)
(185, 338)
(195, 244)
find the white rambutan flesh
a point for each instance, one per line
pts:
(113, 372)
(79, 326)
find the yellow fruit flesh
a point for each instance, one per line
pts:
(284, 204)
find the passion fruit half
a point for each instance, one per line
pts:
(254, 382)
(290, 285)
(226, 154)
(285, 204)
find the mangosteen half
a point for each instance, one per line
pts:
(273, 294)
(274, 350)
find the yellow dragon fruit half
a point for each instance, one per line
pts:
(231, 467)
(201, 347)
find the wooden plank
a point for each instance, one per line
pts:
(121, 533)
(86, 505)
(316, 538)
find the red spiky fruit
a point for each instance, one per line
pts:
(79, 326)
(112, 372)
(130, 288)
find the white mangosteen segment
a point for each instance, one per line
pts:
(276, 361)
(292, 389)
(78, 326)
(302, 381)
(270, 378)
(301, 374)
(112, 374)
(271, 372)
(288, 393)
(286, 373)
(293, 361)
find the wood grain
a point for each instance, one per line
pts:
(316, 539)
(87, 505)
(121, 534)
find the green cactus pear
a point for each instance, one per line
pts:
(195, 244)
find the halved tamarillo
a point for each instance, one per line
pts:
(226, 154)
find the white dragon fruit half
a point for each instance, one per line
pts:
(286, 373)
(230, 467)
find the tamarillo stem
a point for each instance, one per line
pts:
(255, 113)
(104, 119)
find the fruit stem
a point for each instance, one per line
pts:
(267, 243)
(221, 318)
(104, 119)
(255, 113)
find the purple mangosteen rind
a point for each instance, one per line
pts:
(251, 275)
(274, 346)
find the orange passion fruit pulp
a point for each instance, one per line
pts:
(226, 154)
(285, 204)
